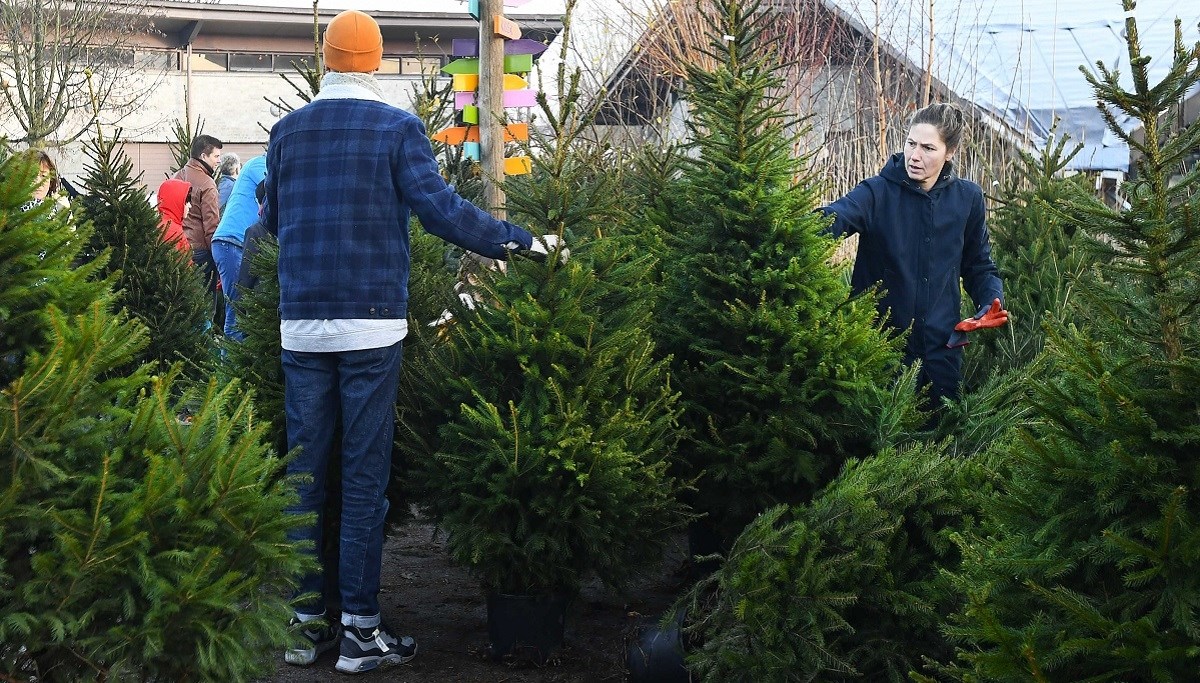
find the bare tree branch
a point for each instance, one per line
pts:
(47, 50)
(846, 73)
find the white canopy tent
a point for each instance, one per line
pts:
(1019, 61)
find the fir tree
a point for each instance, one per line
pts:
(1040, 262)
(543, 426)
(774, 359)
(181, 146)
(542, 421)
(652, 171)
(26, 273)
(156, 283)
(307, 70)
(256, 360)
(1087, 567)
(1033, 240)
(132, 546)
(847, 587)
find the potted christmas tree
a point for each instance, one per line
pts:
(542, 429)
(541, 420)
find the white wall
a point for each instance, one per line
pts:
(231, 104)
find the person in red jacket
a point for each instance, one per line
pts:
(173, 197)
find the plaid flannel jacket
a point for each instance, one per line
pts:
(343, 176)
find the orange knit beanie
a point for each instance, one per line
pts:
(353, 43)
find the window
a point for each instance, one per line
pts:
(243, 61)
(110, 56)
(389, 65)
(210, 61)
(156, 60)
(284, 62)
(420, 65)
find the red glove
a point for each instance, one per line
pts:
(993, 316)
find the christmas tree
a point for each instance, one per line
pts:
(132, 546)
(542, 428)
(181, 145)
(1036, 251)
(155, 282)
(541, 419)
(1085, 567)
(34, 247)
(847, 587)
(256, 359)
(1033, 240)
(775, 360)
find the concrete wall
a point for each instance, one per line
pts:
(232, 107)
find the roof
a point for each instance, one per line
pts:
(1020, 60)
(554, 7)
(541, 18)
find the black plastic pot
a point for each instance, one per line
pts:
(525, 628)
(656, 654)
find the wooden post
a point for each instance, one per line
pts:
(491, 106)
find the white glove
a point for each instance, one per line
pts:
(442, 319)
(546, 244)
(447, 316)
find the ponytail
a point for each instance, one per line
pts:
(948, 119)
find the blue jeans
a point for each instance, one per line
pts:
(228, 258)
(359, 387)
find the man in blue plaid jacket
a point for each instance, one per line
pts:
(343, 174)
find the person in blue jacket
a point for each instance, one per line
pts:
(344, 172)
(239, 213)
(922, 230)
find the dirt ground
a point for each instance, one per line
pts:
(440, 605)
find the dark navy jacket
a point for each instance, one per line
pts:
(919, 244)
(343, 176)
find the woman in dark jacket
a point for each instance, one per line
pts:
(921, 231)
(228, 169)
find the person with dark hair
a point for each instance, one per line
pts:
(240, 213)
(227, 172)
(47, 175)
(201, 220)
(922, 230)
(344, 172)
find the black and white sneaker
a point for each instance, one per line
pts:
(313, 640)
(364, 649)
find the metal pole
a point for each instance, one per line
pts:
(491, 107)
(187, 85)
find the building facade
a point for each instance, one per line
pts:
(221, 67)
